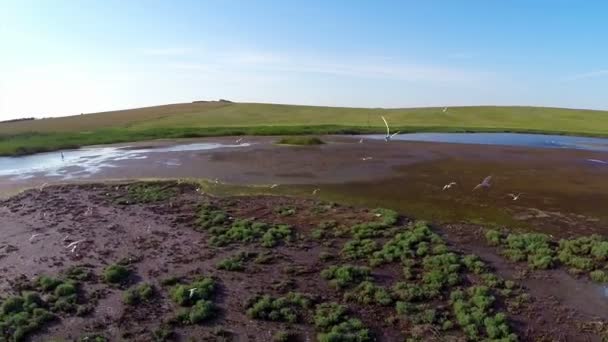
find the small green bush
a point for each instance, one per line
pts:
(493, 237)
(138, 294)
(210, 216)
(116, 273)
(368, 293)
(201, 311)
(234, 263)
(599, 276)
(332, 321)
(149, 192)
(189, 294)
(359, 248)
(285, 210)
(345, 275)
(283, 309)
(300, 140)
(534, 247)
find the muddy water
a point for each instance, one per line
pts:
(563, 191)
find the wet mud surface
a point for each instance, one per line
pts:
(158, 240)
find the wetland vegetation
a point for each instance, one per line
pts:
(337, 274)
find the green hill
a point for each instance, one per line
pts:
(215, 118)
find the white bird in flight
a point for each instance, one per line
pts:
(388, 136)
(445, 109)
(238, 141)
(274, 186)
(514, 196)
(484, 184)
(33, 237)
(449, 185)
(366, 158)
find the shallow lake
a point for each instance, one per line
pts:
(84, 162)
(507, 139)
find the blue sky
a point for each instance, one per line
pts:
(67, 57)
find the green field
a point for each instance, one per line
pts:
(225, 118)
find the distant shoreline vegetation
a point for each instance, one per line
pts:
(299, 140)
(17, 120)
(223, 118)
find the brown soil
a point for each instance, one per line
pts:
(158, 240)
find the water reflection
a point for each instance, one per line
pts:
(85, 162)
(507, 139)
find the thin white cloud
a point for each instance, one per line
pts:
(174, 51)
(588, 75)
(374, 68)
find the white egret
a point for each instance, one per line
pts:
(449, 185)
(388, 136)
(514, 196)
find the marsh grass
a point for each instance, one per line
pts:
(283, 309)
(584, 254)
(301, 141)
(192, 120)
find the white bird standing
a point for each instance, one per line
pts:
(361, 141)
(484, 184)
(514, 196)
(274, 186)
(445, 109)
(314, 192)
(388, 136)
(366, 158)
(192, 292)
(449, 185)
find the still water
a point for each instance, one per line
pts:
(84, 162)
(507, 139)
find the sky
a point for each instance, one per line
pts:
(69, 57)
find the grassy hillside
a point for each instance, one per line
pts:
(225, 118)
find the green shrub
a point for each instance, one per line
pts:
(116, 273)
(599, 276)
(234, 263)
(493, 237)
(248, 231)
(474, 314)
(201, 311)
(474, 264)
(533, 247)
(285, 210)
(65, 289)
(210, 216)
(440, 271)
(138, 294)
(149, 192)
(332, 321)
(368, 293)
(345, 275)
(405, 245)
(275, 234)
(359, 248)
(188, 294)
(300, 140)
(283, 309)
(47, 283)
(78, 273)
(21, 316)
